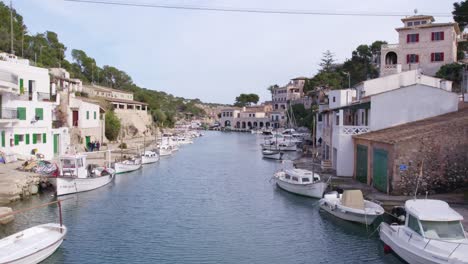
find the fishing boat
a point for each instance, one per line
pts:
(272, 154)
(164, 150)
(283, 146)
(148, 157)
(127, 165)
(351, 206)
(32, 245)
(430, 231)
(76, 176)
(300, 181)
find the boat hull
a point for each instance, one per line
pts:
(274, 155)
(68, 185)
(314, 190)
(165, 152)
(282, 148)
(149, 160)
(347, 215)
(32, 245)
(123, 168)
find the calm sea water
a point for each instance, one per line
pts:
(211, 202)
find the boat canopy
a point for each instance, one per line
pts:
(432, 210)
(353, 199)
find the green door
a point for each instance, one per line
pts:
(87, 141)
(56, 144)
(379, 171)
(361, 164)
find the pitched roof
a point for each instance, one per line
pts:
(105, 89)
(419, 128)
(124, 101)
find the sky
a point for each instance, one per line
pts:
(215, 56)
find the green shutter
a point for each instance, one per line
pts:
(27, 139)
(94, 115)
(21, 113)
(44, 138)
(34, 138)
(39, 114)
(3, 138)
(87, 115)
(21, 86)
(17, 138)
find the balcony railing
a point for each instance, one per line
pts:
(8, 113)
(43, 96)
(390, 46)
(353, 130)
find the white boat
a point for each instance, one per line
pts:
(32, 245)
(351, 206)
(432, 233)
(183, 140)
(300, 181)
(127, 165)
(283, 146)
(272, 154)
(164, 150)
(75, 176)
(148, 157)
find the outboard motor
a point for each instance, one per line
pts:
(398, 214)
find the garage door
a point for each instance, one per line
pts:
(361, 164)
(379, 171)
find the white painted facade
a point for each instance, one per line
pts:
(422, 45)
(247, 118)
(378, 104)
(27, 110)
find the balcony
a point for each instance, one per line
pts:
(388, 69)
(8, 82)
(8, 114)
(389, 46)
(353, 130)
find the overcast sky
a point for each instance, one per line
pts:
(215, 56)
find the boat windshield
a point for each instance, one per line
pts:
(443, 229)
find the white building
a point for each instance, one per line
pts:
(292, 91)
(250, 117)
(422, 44)
(377, 104)
(27, 111)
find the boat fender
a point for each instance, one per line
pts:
(387, 249)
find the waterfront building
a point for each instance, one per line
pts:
(249, 117)
(377, 104)
(133, 115)
(422, 44)
(292, 91)
(28, 108)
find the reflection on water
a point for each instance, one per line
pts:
(212, 202)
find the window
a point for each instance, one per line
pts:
(39, 114)
(21, 86)
(295, 179)
(334, 99)
(443, 229)
(412, 58)
(18, 139)
(412, 38)
(410, 24)
(21, 113)
(305, 180)
(423, 22)
(27, 139)
(287, 177)
(413, 224)
(437, 56)
(3, 139)
(437, 36)
(87, 115)
(416, 23)
(337, 120)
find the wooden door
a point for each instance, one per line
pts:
(361, 163)
(380, 169)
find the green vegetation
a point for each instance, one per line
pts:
(452, 72)
(246, 99)
(47, 51)
(112, 126)
(304, 117)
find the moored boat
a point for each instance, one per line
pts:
(430, 232)
(127, 165)
(300, 181)
(148, 157)
(284, 146)
(75, 176)
(272, 154)
(351, 206)
(32, 245)
(164, 150)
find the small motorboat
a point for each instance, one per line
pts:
(300, 181)
(429, 231)
(148, 157)
(127, 165)
(351, 206)
(164, 150)
(76, 176)
(272, 154)
(32, 245)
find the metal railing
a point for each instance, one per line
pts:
(354, 130)
(390, 46)
(8, 113)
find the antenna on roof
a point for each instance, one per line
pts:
(415, 11)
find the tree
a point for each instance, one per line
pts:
(327, 61)
(159, 116)
(112, 126)
(246, 99)
(452, 72)
(272, 87)
(460, 11)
